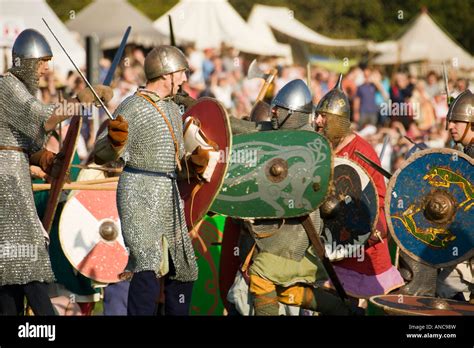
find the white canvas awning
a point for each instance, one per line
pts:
(423, 40)
(108, 20)
(209, 23)
(263, 19)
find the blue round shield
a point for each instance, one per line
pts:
(430, 207)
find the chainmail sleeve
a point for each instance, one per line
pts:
(103, 151)
(29, 114)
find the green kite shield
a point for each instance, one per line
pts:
(275, 174)
(430, 208)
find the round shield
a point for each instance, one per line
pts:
(350, 212)
(420, 305)
(90, 235)
(430, 208)
(216, 126)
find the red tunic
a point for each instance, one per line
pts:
(377, 257)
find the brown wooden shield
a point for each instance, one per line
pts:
(216, 126)
(420, 305)
(67, 152)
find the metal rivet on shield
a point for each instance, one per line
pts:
(108, 230)
(316, 186)
(277, 170)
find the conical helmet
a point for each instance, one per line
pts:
(336, 108)
(164, 60)
(292, 107)
(31, 44)
(335, 102)
(294, 96)
(462, 108)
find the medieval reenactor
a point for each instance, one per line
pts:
(283, 267)
(458, 281)
(148, 136)
(374, 274)
(25, 122)
(461, 121)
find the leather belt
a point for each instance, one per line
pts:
(13, 148)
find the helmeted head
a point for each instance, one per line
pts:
(30, 50)
(460, 118)
(333, 114)
(31, 44)
(292, 107)
(164, 60)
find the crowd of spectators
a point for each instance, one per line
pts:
(399, 109)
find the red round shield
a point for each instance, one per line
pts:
(90, 235)
(216, 126)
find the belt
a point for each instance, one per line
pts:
(169, 175)
(13, 148)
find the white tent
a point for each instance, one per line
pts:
(208, 23)
(108, 19)
(265, 18)
(423, 40)
(17, 15)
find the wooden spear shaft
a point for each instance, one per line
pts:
(103, 187)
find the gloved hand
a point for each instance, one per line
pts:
(118, 132)
(54, 168)
(104, 92)
(49, 162)
(199, 160)
(42, 158)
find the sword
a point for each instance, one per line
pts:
(373, 165)
(118, 56)
(80, 73)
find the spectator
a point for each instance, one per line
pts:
(432, 87)
(365, 110)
